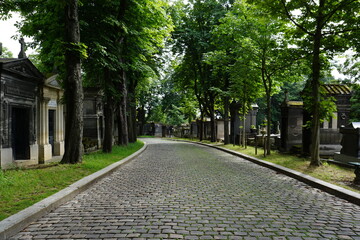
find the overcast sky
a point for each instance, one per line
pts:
(8, 30)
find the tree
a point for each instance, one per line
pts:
(6, 53)
(194, 24)
(355, 104)
(55, 28)
(73, 86)
(321, 28)
(123, 38)
(262, 50)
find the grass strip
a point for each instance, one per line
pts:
(21, 188)
(330, 173)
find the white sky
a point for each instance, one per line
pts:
(7, 30)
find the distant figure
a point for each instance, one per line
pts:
(0, 48)
(22, 53)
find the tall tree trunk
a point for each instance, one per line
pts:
(108, 132)
(132, 121)
(132, 125)
(141, 118)
(212, 126)
(268, 124)
(244, 124)
(73, 87)
(201, 128)
(315, 85)
(226, 112)
(123, 138)
(226, 120)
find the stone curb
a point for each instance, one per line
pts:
(337, 191)
(17, 222)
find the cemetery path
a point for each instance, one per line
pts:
(183, 191)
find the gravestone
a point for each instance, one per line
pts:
(93, 118)
(350, 151)
(291, 124)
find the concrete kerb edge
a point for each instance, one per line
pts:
(337, 191)
(17, 222)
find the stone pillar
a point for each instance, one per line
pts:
(59, 131)
(98, 132)
(45, 149)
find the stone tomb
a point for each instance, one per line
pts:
(93, 133)
(51, 121)
(350, 151)
(20, 86)
(291, 124)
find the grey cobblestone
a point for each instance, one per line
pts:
(181, 191)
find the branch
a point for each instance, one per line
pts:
(288, 65)
(339, 6)
(342, 31)
(293, 21)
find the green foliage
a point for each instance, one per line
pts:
(326, 104)
(6, 53)
(6, 7)
(355, 104)
(262, 58)
(79, 48)
(44, 22)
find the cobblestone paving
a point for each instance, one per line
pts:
(182, 191)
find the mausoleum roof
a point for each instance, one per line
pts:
(20, 67)
(53, 82)
(338, 89)
(5, 60)
(295, 103)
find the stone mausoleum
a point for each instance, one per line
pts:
(31, 115)
(20, 86)
(51, 120)
(293, 121)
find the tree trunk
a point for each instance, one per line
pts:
(141, 118)
(201, 136)
(108, 132)
(226, 121)
(73, 87)
(268, 124)
(243, 128)
(212, 126)
(131, 112)
(315, 86)
(132, 121)
(123, 138)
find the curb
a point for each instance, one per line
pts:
(17, 222)
(337, 191)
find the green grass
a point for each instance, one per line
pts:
(22, 188)
(331, 173)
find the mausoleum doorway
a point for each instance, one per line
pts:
(20, 133)
(52, 125)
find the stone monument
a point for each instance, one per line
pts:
(350, 151)
(22, 53)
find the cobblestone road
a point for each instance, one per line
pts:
(183, 191)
